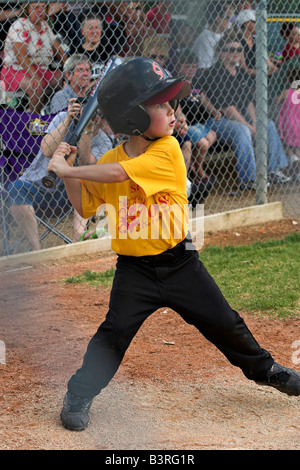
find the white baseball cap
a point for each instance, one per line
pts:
(246, 15)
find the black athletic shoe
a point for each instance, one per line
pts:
(284, 379)
(75, 412)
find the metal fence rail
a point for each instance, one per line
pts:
(239, 130)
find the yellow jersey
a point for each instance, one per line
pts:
(148, 213)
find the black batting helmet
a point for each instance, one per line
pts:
(125, 91)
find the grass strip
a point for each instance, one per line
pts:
(262, 277)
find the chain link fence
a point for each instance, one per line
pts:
(239, 130)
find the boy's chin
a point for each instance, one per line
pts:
(170, 132)
(160, 136)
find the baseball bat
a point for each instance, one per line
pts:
(89, 111)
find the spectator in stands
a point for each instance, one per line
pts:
(197, 109)
(289, 121)
(182, 36)
(66, 25)
(28, 191)
(96, 139)
(159, 17)
(83, 9)
(217, 24)
(29, 53)
(77, 73)
(92, 31)
(227, 86)
(112, 12)
(247, 22)
(101, 41)
(134, 21)
(180, 133)
(240, 6)
(8, 15)
(291, 34)
(197, 191)
(230, 12)
(245, 6)
(156, 48)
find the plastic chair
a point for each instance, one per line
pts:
(21, 134)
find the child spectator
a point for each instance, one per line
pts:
(100, 40)
(197, 108)
(180, 133)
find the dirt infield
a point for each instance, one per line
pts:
(174, 390)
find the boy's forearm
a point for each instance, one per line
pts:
(64, 158)
(102, 173)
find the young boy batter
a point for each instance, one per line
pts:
(143, 184)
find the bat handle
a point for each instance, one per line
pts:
(49, 181)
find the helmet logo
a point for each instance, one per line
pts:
(158, 70)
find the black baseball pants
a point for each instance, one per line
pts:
(176, 279)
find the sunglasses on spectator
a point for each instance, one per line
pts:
(232, 50)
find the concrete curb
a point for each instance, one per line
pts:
(211, 223)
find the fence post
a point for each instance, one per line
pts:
(261, 101)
